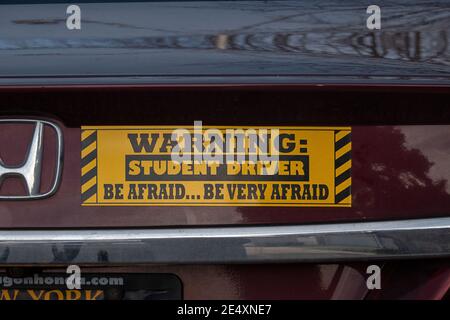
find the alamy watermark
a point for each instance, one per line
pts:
(374, 279)
(73, 21)
(251, 146)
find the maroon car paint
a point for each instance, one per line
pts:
(398, 171)
(400, 156)
(420, 279)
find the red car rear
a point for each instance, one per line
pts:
(358, 207)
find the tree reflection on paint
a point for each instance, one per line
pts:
(389, 175)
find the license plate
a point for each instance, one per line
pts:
(104, 286)
(215, 166)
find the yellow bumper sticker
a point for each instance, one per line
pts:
(215, 166)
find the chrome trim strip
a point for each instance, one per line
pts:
(420, 238)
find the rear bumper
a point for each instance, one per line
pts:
(418, 238)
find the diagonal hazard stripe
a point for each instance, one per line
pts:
(343, 159)
(344, 185)
(343, 195)
(343, 168)
(341, 134)
(344, 150)
(342, 177)
(88, 167)
(92, 199)
(88, 158)
(346, 200)
(86, 133)
(88, 176)
(88, 149)
(87, 185)
(88, 140)
(89, 193)
(343, 141)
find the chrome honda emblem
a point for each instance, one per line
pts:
(31, 169)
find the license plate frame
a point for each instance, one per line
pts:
(94, 286)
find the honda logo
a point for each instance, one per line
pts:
(31, 168)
